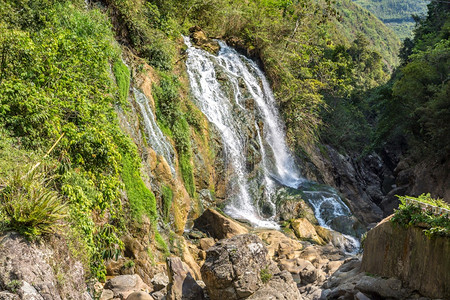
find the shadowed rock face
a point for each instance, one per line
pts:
(239, 268)
(422, 263)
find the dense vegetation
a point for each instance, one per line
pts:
(415, 104)
(412, 214)
(55, 82)
(397, 14)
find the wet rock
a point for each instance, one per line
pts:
(217, 225)
(124, 285)
(238, 268)
(182, 285)
(348, 225)
(290, 205)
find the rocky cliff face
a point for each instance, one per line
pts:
(422, 263)
(39, 271)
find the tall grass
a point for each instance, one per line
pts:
(30, 206)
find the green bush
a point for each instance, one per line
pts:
(30, 206)
(411, 214)
(265, 275)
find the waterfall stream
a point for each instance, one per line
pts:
(236, 97)
(156, 138)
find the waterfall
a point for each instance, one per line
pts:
(236, 97)
(156, 139)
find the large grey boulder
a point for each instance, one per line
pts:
(239, 268)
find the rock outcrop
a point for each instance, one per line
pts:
(422, 263)
(124, 285)
(239, 268)
(39, 271)
(217, 225)
(200, 39)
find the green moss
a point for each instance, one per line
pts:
(122, 74)
(167, 196)
(173, 121)
(161, 244)
(142, 200)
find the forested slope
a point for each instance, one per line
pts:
(397, 14)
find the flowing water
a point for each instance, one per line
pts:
(235, 96)
(156, 139)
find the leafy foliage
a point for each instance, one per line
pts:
(166, 197)
(412, 214)
(416, 102)
(55, 77)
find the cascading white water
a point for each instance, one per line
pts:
(235, 96)
(155, 137)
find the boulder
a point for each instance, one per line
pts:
(239, 268)
(290, 205)
(106, 295)
(279, 245)
(304, 230)
(124, 285)
(160, 281)
(280, 287)
(139, 296)
(385, 288)
(190, 261)
(206, 243)
(182, 285)
(200, 40)
(217, 225)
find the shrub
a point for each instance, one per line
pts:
(30, 206)
(265, 275)
(411, 214)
